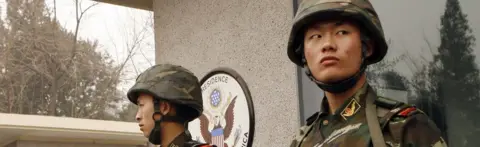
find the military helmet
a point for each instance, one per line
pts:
(171, 83)
(360, 11)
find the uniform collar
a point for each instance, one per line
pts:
(351, 106)
(179, 140)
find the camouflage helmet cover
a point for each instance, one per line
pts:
(361, 11)
(171, 83)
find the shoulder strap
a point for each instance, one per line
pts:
(372, 121)
(387, 108)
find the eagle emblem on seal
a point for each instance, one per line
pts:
(216, 127)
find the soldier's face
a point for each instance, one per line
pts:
(145, 113)
(333, 50)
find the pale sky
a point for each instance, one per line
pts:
(114, 27)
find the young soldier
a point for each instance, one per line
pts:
(168, 97)
(335, 41)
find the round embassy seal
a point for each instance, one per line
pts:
(228, 117)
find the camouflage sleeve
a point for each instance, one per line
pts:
(420, 131)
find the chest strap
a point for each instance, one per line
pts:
(372, 121)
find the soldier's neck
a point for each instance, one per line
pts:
(335, 100)
(170, 131)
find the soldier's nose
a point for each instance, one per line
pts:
(328, 45)
(138, 118)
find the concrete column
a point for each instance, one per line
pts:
(248, 36)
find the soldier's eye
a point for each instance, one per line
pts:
(316, 36)
(343, 32)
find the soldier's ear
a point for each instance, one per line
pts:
(165, 108)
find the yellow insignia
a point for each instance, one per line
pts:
(351, 109)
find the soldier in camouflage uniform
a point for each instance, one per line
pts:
(168, 97)
(335, 41)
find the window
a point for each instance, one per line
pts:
(310, 96)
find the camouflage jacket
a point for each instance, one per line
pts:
(185, 140)
(401, 125)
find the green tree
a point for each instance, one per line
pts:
(450, 84)
(378, 74)
(394, 80)
(458, 76)
(128, 113)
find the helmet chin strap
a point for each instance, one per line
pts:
(155, 136)
(341, 85)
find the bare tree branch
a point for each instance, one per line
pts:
(78, 16)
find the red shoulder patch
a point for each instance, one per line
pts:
(407, 111)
